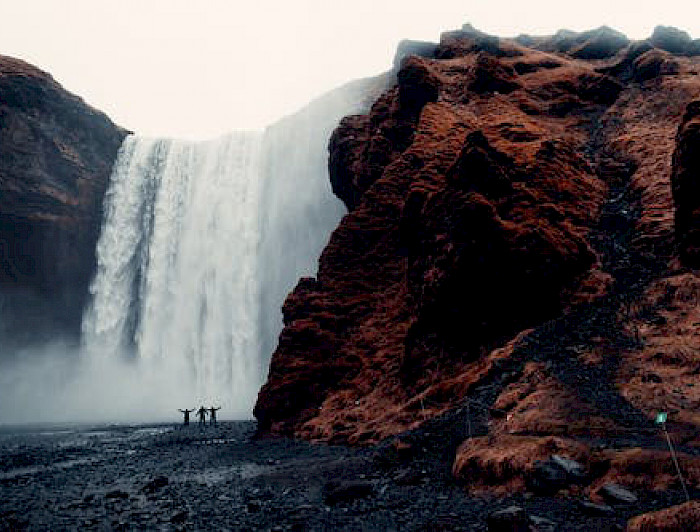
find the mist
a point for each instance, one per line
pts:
(59, 383)
(200, 245)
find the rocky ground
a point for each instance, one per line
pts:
(168, 477)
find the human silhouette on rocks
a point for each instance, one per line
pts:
(186, 414)
(202, 415)
(212, 415)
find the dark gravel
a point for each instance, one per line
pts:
(171, 478)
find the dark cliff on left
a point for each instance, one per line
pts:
(56, 156)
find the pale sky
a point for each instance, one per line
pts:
(197, 69)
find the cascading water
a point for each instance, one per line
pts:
(177, 276)
(200, 245)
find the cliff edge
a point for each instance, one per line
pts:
(513, 280)
(56, 155)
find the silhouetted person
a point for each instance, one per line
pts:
(212, 415)
(186, 414)
(202, 415)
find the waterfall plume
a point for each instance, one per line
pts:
(200, 244)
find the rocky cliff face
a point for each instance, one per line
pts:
(507, 275)
(56, 155)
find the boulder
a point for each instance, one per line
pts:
(671, 39)
(681, 518)
(592, 508)
(155, 484)
(547, 478)
(179, 517)
(345, 491)
(574, 470)
(116, 494)
(542, 524)
(510, 519)
(616, 494)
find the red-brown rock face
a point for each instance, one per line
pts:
(686, 185)
(499, 185)
(56, 155)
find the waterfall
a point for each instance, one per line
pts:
(177, 281)
(200, 244)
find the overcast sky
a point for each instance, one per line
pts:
(196, 69)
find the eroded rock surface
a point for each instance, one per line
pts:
(56, 155)
(510, 283)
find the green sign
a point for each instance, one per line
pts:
(661, 417)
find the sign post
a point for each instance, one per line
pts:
(661, 418)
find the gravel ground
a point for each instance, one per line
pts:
(173, 478)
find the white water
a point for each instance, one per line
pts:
(200, 245)
(176, 285)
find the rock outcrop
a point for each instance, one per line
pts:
(56, 155)
(506, 283)
(681, 518)
(686, 185)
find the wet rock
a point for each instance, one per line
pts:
(155, 484)
(179, 517)
(541, 524)
(10, 521)
(616, 494)
(556, 473)
(592, 508)
(408, 477)
(574, 470)
(346, 491)
(254, 506)
(303, 509)
(547, 478)
(116, 495)
(511, 519)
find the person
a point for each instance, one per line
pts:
(202, 414)
(186, 414)
(212, 415)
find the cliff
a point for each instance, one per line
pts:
(56, 155)
(513, 277)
